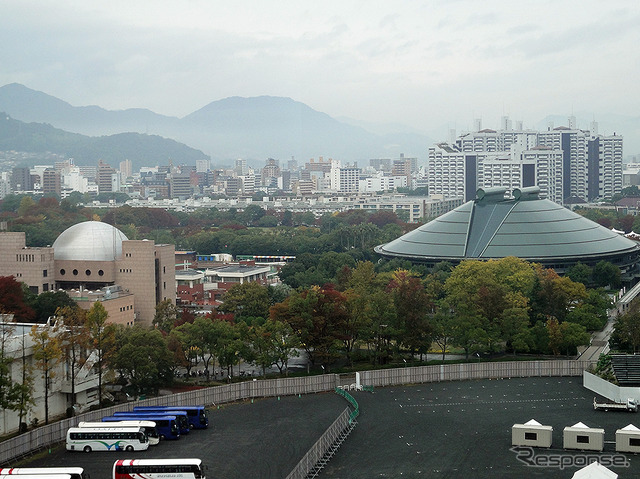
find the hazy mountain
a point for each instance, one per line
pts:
(251, 128)
(142, 150)
(28, 105)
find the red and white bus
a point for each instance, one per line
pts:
(158, 469)
(73, 472)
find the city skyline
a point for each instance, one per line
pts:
(425, 65)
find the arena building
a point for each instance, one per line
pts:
(495, 226)
(95, 261)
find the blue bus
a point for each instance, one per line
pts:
(198, 417)
(181, 417)
(166, 426)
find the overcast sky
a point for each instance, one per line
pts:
(420, 63)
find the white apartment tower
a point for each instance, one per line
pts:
(345, 179)
(573, 144)
(450, 172)
(605, 166)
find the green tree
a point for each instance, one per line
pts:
(47, 354)
(46, 304)
(199, 340)
(626, 333)
(260, 347)
(443, 329)
(227, 346)
(606, 274)
(144, 359)
(573, 335)
(102, 337)
(284, 342)
(246, 300)
(26, 203)
(515, 331)
(167, 315)
(580, 273)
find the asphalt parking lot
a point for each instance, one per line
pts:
(448, 430)
(264, 439)
(463, 429)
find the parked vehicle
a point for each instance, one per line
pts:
(197, 415)
(106, 439)
(629, 405)
(166, 426)
(158, 469)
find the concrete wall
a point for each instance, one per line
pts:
(609, 390)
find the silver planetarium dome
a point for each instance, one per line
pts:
(89, 241)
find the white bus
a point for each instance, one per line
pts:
(148, 427)
(158, 469)
(73, 472)
(106, 439)
(36, 476)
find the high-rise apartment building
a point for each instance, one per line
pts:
(104, 177)
(345, 179)
(241, 167)
(51, 183)
(451, 172)
(21, 179)
(573, 144)
(564, 162)
(605, 166)
(126, 169)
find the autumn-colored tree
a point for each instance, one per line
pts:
(75, 340)
(12, 300)
(318, 316)
(412, 307)
(555, 294)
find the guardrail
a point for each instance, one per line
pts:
(322, 445)
(356, 409)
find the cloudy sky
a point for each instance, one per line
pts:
(421, 63)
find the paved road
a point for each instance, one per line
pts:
(599, 341)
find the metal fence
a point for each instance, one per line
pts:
(50, 434)
(322, 445)
(466, 371)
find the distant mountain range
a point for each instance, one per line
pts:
(250, 128)
(142, 150)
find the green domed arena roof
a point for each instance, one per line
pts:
(492, 226)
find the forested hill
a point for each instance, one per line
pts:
(142, 150)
